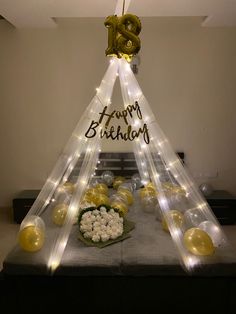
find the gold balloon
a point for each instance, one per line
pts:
(127, 194)
(117, 182)
(145, 192)
(150, 186)
(123, 209)
(102, 188)
(69, 187)
(31, 238)
(171, 189)
(90, 195)
(59, 214)
(101, 199)
(177, 217)
(198, 242)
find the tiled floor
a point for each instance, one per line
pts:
(8, 233)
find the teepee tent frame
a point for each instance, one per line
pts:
(148, 157)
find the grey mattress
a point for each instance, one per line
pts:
(149, 251)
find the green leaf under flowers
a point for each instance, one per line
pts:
(128, 226)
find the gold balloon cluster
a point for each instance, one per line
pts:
(196, 240)
(97, 195)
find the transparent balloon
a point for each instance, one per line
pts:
(108, 177)
(206, 189)
(119, 198)
(149, 204)
(137, 180)
(127, 186)
(193, 217)
(213, 231)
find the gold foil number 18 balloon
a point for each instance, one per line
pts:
(123, 34)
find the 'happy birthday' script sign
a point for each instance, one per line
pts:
(110, 132)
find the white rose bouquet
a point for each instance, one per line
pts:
(101, 226)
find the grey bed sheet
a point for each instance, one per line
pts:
(149, 251)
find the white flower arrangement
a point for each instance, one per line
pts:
(101, 225)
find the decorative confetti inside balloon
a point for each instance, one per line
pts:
(145, 192)
(198, 242)
(177, 218)
(102, 188)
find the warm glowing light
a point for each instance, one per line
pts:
(53, 265)
(53, 182)
(171, 164)
(191, 261)
(163, 202)
(201, 206)
(177, 232)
